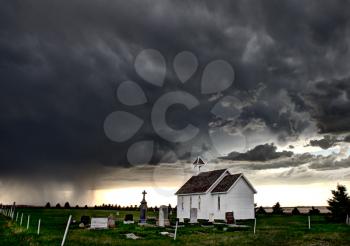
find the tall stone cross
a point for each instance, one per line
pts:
(144, 195)
(143, 208)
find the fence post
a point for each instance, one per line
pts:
(175, 230)
(21, 220)
(254, 225)
(16, 217)
(66, 231)
(309, 222)
(28, 222)
(39, 226)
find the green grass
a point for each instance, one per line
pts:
(271, 230)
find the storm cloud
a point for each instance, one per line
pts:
(259, 153)
(61, 63)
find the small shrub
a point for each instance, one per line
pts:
(295, 211)
(276, 209)
(314, 211)
(260, 210)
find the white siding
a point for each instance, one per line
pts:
(240, 200)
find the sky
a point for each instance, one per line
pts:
(100, 100)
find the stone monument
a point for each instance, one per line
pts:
(143, 208)
(230, 219)
(111, 221)
(163, 216)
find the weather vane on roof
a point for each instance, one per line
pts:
(198, 163)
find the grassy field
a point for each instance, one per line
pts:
(271, 230)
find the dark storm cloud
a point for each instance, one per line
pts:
(60, 63)
(329, 141)
(329, 104)
(263, 152)
(325, 143)
(287, 162)
(307, 162)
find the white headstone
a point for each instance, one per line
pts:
(99, 223)
(131, 236)
(163, 216)
(211, 217)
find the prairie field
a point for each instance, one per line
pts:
(270, 230)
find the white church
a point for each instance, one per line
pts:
(210, 195)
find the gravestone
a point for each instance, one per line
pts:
(193, 215)
(131, 236)
(85, 220)
(229, 218)
(211, 217)
(111, 221)
(163, 216)
(129, 219)
(99, 223)
(143, 208)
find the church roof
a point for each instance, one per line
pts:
(225, 184)
(201, 182)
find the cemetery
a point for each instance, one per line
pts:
(90, 226)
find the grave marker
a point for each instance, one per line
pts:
(211, 217)
(229, 218)
(143, 208)
(129, 219)
(99, 223)
(85, 220)
(111, 221)
(163, 216)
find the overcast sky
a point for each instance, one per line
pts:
(264, 85)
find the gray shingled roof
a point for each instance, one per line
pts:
(225, 184)
(200, 183)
